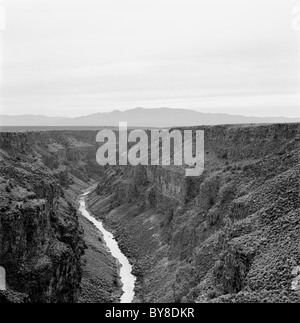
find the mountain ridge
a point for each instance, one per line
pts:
(159, 117)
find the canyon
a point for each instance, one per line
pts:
(229, 235)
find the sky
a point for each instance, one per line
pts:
(78, 57)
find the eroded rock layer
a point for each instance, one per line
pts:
(231, 235)
(41, 239)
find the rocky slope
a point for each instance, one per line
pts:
(41, 239)
(231, 235)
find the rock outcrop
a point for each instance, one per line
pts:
(231, 235)
(41, 240)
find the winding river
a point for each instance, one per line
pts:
(127, 279)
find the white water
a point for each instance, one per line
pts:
(127, 279)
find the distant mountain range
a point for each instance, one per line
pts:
(162, 117)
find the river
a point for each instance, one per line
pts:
(126, 276)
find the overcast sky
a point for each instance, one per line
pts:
(76, 57)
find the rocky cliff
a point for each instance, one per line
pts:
(41, 240)
(230, 235)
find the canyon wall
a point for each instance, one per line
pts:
(41, 239)
(230, 235)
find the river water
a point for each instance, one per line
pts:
(126, 277)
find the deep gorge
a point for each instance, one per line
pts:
(231, 235)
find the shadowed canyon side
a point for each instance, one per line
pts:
(230, 235)
(41, 237)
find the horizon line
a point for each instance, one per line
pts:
(142, 108)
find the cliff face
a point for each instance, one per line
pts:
(231, 235)
(41, 241)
